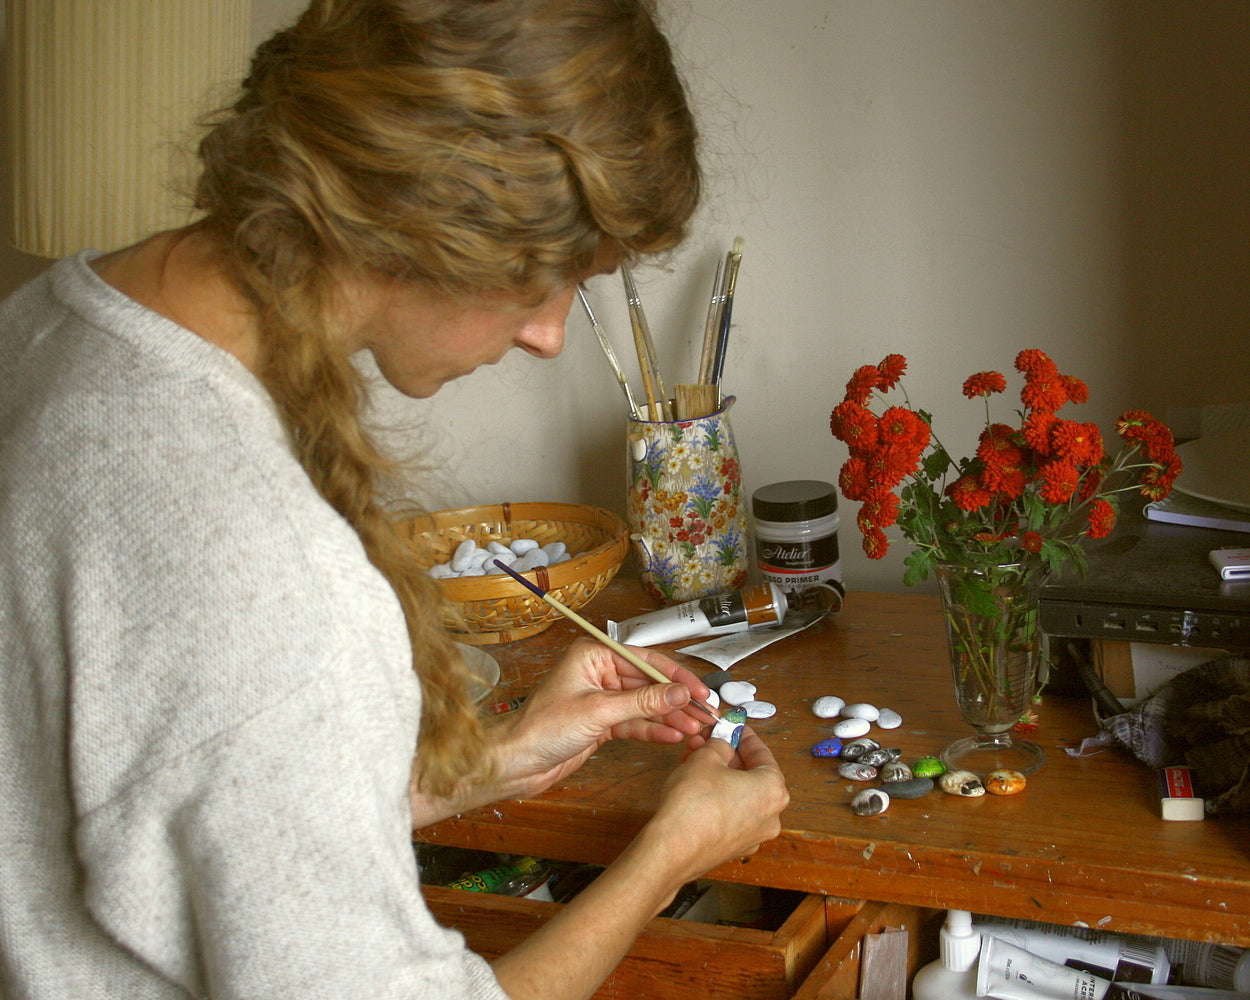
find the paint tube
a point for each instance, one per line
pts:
(1117, 957)
(1007, 972)
(759, 606)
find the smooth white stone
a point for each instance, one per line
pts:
(737, 692)
(441, 572)
(473, 571)
(524, 545)
(887, 718)
(507, 557)
(713, 698)
(827, 706)
(560, 559)
(848, 729)
(861, 710)
(759, 709)
(464, 553)
(478, 557)
(555, 550)
(498, 548)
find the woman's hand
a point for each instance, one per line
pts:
(590, 696)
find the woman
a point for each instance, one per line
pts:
(210, 628)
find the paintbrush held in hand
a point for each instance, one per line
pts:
(647, 669)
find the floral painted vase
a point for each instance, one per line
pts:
(684, 506)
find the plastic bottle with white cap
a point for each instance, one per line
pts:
(954, 975)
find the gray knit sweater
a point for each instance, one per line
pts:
(207, 707)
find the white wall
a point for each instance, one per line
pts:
(946, 179)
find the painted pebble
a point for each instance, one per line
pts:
(853, 770)
(737, 692)
(830, 747)
(827, 707)
(928, 767)
(858, 747)
(895, 770)
(850, 728)
(963, 783)
(911, 788)
(1004, 782)
(860, 710)
(877, 757)
(887, 718)
(729, 728)
(759, 709)
(716, 678)
(870, 802)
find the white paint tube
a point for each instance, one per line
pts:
(752, 607)
(1117, 957)
(1008, 972)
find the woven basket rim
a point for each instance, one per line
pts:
(606, 557)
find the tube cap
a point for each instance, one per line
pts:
(959, 943)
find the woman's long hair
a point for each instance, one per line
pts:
(467, 145)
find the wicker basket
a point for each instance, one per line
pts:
(497, 608)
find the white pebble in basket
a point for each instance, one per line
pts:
(522, 555)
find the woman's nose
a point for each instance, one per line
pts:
(543, 336)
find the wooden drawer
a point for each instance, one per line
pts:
(672, 959)
(864, 960)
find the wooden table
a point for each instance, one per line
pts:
(1083, 844)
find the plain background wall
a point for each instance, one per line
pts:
(952, 180)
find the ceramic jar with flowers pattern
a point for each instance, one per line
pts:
(684, 506)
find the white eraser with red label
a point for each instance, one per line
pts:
(1232, 564)
(1177, 798)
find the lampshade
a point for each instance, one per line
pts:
(103, 98)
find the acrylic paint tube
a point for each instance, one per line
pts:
(1115, 957)
(1007, 972)
(752, 607)
(1216, 966)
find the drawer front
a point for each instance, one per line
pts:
(671, 959)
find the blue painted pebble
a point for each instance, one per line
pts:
(831, 747)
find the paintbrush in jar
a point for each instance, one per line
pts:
(732, 262)
(603, 637)
(609, 354)
(653, 384)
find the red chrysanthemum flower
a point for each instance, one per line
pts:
(997, 443)
(875, 543)
(879, 510)
(891, 369)
(1036, 431)
(902, 427)
(984, 384)
(1078, 391)
(1031, 541)
(854, 424)
(854, 480)
(1076, 442)
(1101, 518)
(860, 386)
(968, 493)
(1035, 362)
(1059, 479)
(1045, 392)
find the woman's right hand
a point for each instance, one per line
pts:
(718, 806)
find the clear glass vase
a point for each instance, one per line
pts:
(995, 649)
